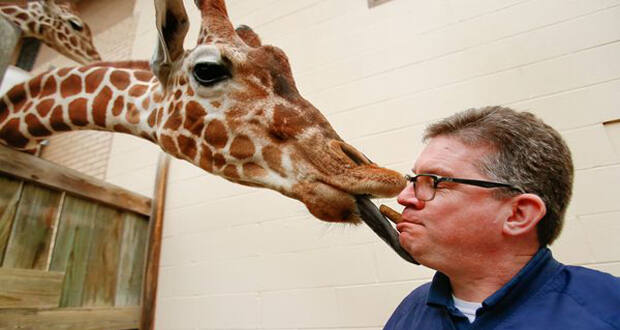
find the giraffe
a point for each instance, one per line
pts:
(229, 106)
(56, 24)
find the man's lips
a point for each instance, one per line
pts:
(402, 226)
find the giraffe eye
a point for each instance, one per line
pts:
(75, 25)
(209, 73)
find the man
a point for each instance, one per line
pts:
(487, 196)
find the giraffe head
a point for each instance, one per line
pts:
(231, 107)
(56, 24)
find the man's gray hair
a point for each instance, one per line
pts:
(528, 153)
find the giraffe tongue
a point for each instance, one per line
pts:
(381, 226)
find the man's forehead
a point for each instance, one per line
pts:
(448, 156)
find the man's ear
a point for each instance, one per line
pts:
(527, 210)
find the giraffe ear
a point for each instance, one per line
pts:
(172, 25)
(248, 36)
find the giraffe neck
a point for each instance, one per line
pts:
(29, 17)
(119, 97)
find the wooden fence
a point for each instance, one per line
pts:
(73, 249)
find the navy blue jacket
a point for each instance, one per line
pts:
(545, 294)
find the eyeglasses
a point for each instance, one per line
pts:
(425, 185)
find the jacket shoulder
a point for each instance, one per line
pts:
(596, 292)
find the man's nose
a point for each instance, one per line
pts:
(407, 198)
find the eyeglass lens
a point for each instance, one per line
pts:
(424, 188)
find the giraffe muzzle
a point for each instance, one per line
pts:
(381, 226)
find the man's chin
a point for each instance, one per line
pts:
(411, 243)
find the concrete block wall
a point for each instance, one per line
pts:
(241, 258)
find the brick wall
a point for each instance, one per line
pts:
(113, 27)
(238, 258)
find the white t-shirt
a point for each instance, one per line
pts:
(468, 308)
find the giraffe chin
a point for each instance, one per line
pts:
(333, 205)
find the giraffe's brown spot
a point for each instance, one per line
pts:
(143, 75)
(34, 86)
(146, 102)
(100, 105)
(73, 41)
(133, 115)
(174, 121)
(44, 107)
(219, 161)
(35, 127)
(49, 87)
(152, 118)
(4, 111)
(182, 81)
(177, 94)
(62, 37)
(273, 158)
(190, 91)
(121, 128)
(215, 134)
(158, 97)
(23, 106)
(16, 96)
(194, 117)
(12, 135)
(21, 16)
(117, 108)
(71, 86)
(120, 79)
(206, 158)
(138, 90)
(93, 80)
(147, 136)
(286, 123)
(160, 113)
(77, 112)
(57, 121)
(216, 104)
(253, 170)
(9, 10)
(168, 144)
(242, 147)
(187, 146)
(63, 72)
(230, 171)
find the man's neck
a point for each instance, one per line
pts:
(478, 283)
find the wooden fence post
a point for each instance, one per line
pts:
(149, 292)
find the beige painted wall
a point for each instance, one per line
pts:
(241, 258)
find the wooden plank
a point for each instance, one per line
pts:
(24, 288)
(10, 190)
(131, 270)
(70, 318)
(104, 258)
(151, 273)
(71, 251)
(29, 244)
(44, 172)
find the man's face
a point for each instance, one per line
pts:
(462, 223)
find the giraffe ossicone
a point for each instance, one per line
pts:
(56, 24)
(229, 106)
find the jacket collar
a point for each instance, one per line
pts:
(530, 278)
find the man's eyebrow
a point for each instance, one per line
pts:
(441, 171)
